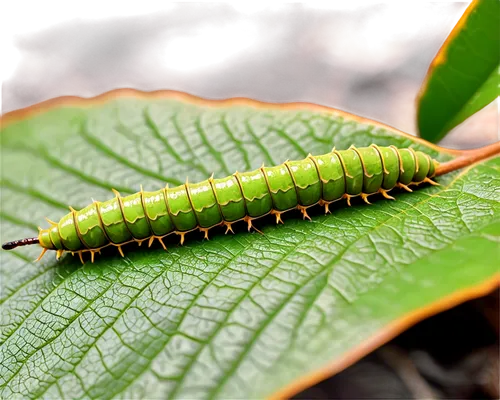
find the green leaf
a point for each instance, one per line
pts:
(237, 316)
(465, 75)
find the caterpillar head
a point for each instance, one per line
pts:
(43, 239)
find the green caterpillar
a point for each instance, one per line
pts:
(243, 196)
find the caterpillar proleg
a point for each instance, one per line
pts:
(245, 196)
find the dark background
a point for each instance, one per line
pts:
(364, 58)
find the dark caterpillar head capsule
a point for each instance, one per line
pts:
(20, 242)
(43, 239)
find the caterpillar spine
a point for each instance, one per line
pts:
(246, 196)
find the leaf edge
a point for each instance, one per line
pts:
(166, 94)
(386, 334)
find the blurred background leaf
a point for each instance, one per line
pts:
(465, 74)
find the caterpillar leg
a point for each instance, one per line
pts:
(162, 244)
(364, 196)
(151, 240)
(278, 216)
(81, 257)
(229, 228)
(303, 210)
(348, 198)
(323, 203)
(400, 185)
(429, 180)
(250, 226)
(205, 230)
(44, 250)
(383, 192)
(181, 234)
(120, 251)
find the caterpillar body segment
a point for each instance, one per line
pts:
(245, 196)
